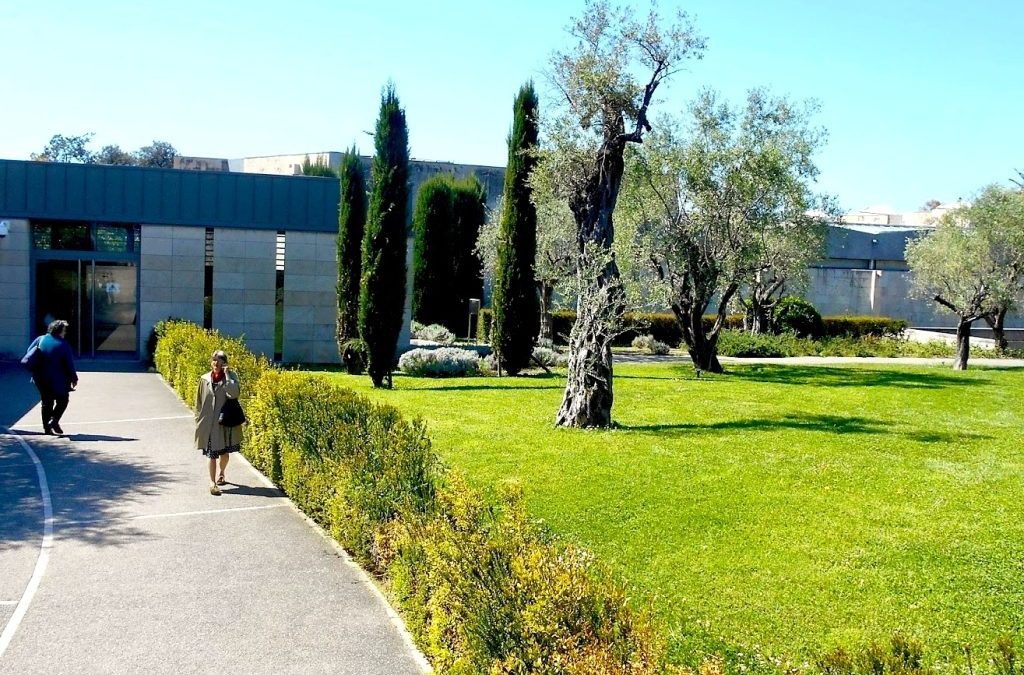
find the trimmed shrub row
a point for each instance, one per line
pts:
(745, 345)
(481, 588)
(664, 328)
(858, 326)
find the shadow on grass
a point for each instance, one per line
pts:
(833, 376)
(823, 376)
(542, 380)
(832, 424)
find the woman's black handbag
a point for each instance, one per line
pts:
(33, 358)
(231, 414)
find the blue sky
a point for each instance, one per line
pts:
(922, 99)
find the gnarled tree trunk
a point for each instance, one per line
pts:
(757, 318)
(702, 343)
(997, 322)
(587, 401)
(588, 389)
(963, 343)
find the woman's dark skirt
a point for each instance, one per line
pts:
(214, 454)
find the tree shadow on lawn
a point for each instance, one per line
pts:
(833, 376)
(833, 424)
(543, 381)
(824, 376)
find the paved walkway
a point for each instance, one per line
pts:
(145, 570)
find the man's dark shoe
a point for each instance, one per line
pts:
(47, 430)
(56, 428)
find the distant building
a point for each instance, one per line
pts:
(885, 216)
(492, 177)
(200, 163)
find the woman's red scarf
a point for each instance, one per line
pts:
(217, 376)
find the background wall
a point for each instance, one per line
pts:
(15, 275)
(170, 276)
(310, 298)
(244, 279)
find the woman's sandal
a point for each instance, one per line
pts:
(214, 490)
(221, 481)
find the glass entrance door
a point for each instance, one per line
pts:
(97, 298)
(112, 304)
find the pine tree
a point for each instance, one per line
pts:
(469, 208)
(351, 223)
(432, 223)
(516, 315)
(382, 285)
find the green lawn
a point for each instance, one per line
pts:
(782, 509)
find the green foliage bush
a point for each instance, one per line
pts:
(517, 602)
(442, 362)
(483, 326)
(647, 343)
(433, 333)
(747, 345)
(663, 327)
(857, 326)
(482, 589)
(796, 315)
(183, 352)
(744, 345)
(550, 357)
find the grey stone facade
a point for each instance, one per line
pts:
(244, 280)
(170, 276)
(310, 297)
(15, 257)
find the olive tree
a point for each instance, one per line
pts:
(972, 263)
(724, 204)
(606, 83)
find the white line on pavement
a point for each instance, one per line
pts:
(282, 501)
(139, 419)
(44, 551)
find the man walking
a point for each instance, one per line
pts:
(54, 374)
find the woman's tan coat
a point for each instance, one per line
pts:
(210, 398)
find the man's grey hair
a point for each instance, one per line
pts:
(220, 356)
(57, 327)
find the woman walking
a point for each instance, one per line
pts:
(215, 440)
(53, 374)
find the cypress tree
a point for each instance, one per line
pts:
(351, 223)
(469, 207)
(516, 315)
(432, 285)
(382, 285)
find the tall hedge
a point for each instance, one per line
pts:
(433, 284)
(351, 224)
(382, 286)
(469, 207)
(516, 312)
